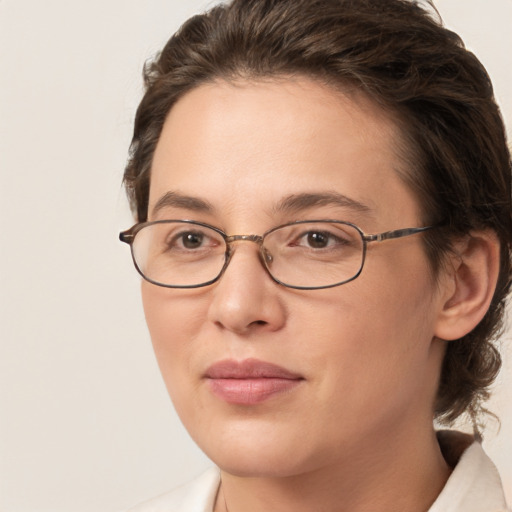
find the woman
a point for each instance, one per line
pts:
(322, 190)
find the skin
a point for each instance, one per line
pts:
(356, 433)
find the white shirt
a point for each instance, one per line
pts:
(473, 486)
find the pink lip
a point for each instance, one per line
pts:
(250, 381)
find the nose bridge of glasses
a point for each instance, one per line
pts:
(257, 239)
(265, 256)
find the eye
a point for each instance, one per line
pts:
(196, 240)
(185, 238)
(319, 240)
(191, 240)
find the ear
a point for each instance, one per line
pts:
(469, 283)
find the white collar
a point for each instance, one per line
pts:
(473, 486)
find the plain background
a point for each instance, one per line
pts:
(85, 422)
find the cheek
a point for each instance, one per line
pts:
(172, 314)
(373, 342)
(174, 320)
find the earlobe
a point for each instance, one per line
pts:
(471, 277)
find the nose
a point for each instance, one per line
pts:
(246, 299)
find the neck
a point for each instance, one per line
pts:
(406, 473)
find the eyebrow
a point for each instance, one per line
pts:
(304, 201)
(290, 204)
(177, 200)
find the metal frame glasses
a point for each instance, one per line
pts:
(327, 252)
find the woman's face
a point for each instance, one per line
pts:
(356, 363)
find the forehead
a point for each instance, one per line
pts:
(246, 145)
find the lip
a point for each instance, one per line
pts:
(250, 381)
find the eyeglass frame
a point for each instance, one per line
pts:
(128, 237)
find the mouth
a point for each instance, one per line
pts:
(250, 381)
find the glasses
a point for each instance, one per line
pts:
(306, 255)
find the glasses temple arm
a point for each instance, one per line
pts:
(126, 237)
(397, 233)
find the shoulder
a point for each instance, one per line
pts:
(196, 496)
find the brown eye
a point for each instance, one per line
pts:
(318, 239)
(192, 240)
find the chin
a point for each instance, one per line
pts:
(264, 452)
(260, 465)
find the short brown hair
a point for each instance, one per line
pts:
(401, 56)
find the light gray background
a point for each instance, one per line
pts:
(85, 422)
